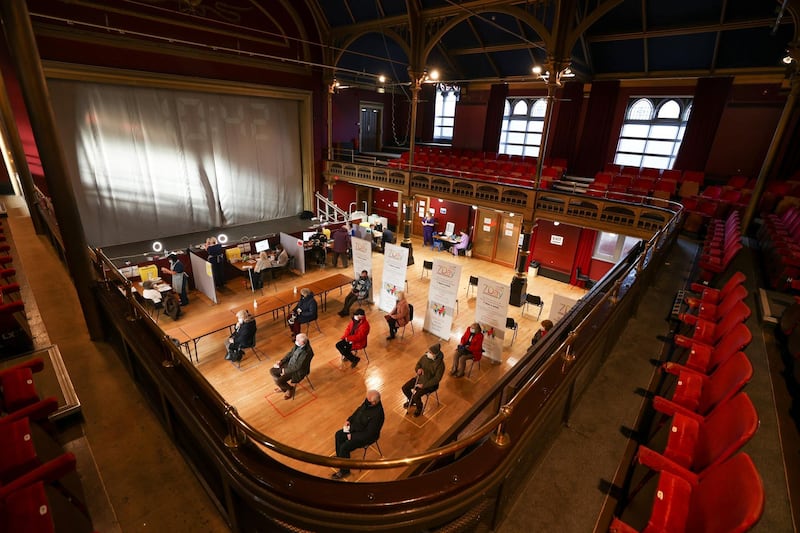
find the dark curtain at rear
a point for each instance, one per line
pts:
(593, 148)
(564, 130)
(583, 255)
(494, 117)
(787, 160)
(710, 98)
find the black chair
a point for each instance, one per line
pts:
(473, 282)
(587, 283)
(371, 444)
(426, 265)
(512, 324)
(307, 368)
(427, 396)
(532, 299)
(255, 350)
(463, 251)
(410, 321)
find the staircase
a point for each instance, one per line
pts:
(328, 212)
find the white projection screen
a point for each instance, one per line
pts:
(148, 162)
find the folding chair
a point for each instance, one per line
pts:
(713, 312)
(473, 282)
(512, 324)
(709, 332)
(712, 295)
(531, 299)
(255, 350)
(701, 393)
(426, 265)
(410, 321)
(730, 497)
(370, 445)
(427, 396)
(705, 358)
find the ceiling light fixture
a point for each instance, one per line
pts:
(787, 59)
(565, 72)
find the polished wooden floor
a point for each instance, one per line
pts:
(309, 421)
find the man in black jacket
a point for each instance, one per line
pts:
(361, 429)
(294, 366)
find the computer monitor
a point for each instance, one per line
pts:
(262, 246)
(307, 235)
(449, 228)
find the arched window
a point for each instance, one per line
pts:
(445, 111)
(652, 132)
(523, 122)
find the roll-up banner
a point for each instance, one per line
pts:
(362, 258)
(491, 309)
(395, 264)
(442, 295)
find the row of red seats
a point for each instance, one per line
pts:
(30, 484)
(678, 176)
(722, 243)
(12, 308)
(779, 239)
(704, 483)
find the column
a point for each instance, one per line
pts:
(409, 209)
(27, 64)
(519, 283)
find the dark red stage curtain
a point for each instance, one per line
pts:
(494, 117)
(564, 130)
(583, 255)
(710, 99)
(593, 148)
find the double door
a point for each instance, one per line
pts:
(496, 237)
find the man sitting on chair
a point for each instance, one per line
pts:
(462, 244)
(429, 371)
(362, 289)
(293, 367)
(361, 429)
(470, 349)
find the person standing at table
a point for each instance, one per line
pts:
(341, 244)
(304, 312)
(179, 277)
(216, 256)
(428, 225)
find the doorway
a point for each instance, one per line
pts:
(421, 206)
(496, 237)
(370, 127)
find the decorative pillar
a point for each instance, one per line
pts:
(409, 208)
(519, 283)
(416, 87)
(18, 155)
(777, 136)
(27, 64)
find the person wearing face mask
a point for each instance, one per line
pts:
(428, 373)
(362, 288)
(354, 338)
(543, 329)
(294, 366)
(398, 317)
(361, 429)
(244, 334)
(469, 349)
(305, 311)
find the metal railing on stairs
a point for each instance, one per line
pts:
(329, 212)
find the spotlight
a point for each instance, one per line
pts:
(475, 207)
(382, 78)
(434, 75)
(222, 238)
(556, 223)
(157, 246)
(537, 69)
(787, 59)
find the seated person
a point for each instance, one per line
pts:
(354, 338)
(389, 237)
(362, 428)
(318, 241)
(462, 243)
(397, 317)
(362, 289)
(294, 366)
(545, 326)
(429, 371)
(469, 349)
(243, 336)
(304, 312)
(149, 292)
(263, 265)
(280, 260)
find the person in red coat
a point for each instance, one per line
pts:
(354, 338)
(470, 349)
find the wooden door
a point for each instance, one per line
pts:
(370, 128)
(507, 240)
(485, 234)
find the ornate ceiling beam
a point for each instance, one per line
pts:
(687, 30)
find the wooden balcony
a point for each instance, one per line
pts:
(632, 215)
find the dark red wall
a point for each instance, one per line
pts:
(383, 205)
(554, 257)
(459, 214)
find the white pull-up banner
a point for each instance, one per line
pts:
(395, 263)
(491, 309)
(362, 259)
(442, 296)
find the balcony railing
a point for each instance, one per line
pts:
(455, 484)
(629, 214)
